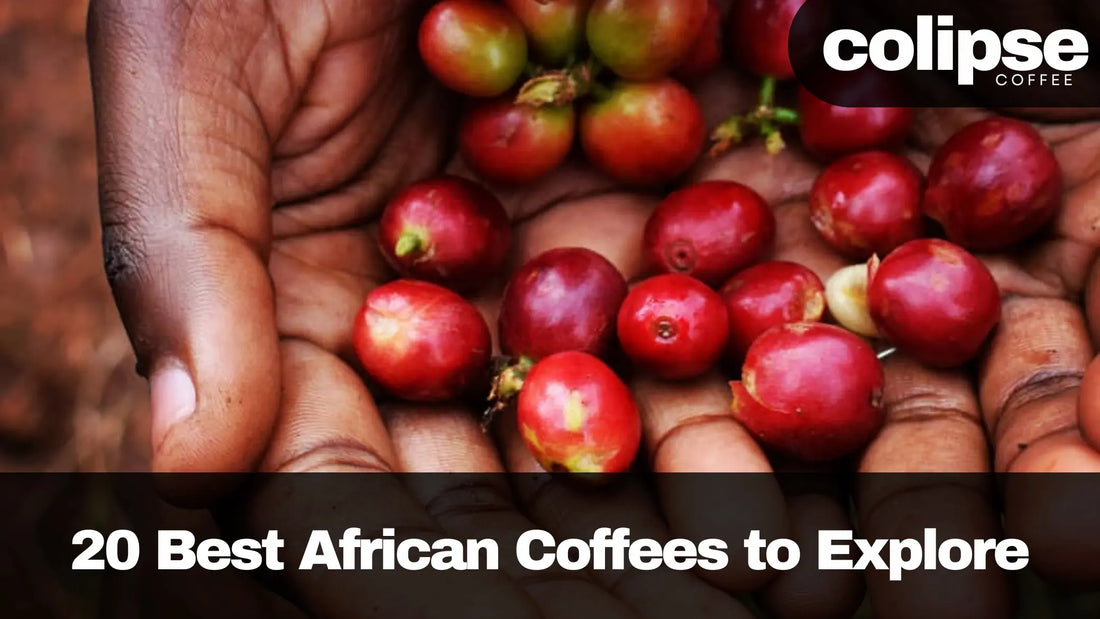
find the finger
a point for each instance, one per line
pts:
(328, 423)
(954, 506)
(817, 500)
(1031, 383)
(440, 438)
(932, 423)
(340, 157)
(320, 282)
(1073, 145)
(1092, 301)
(569, 510)
(1030, 392)
(1055, 515)
(184, 205)
(328, 420)
(806, 591)
(933, 434)
(1029, 380)
(415, 147)
(479, 505)
(1088, 404)
(688, 427)
(1054, 268)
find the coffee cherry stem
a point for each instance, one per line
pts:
(767, 92)
(773, 140)
(561, 86)
(409, 242)
(766, 118)
(507, 383)
(785, 116)
(726, 135)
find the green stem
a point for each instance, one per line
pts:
(505, 388)
(786, 116)
(510, 380)
(773, 139)
(726, 134)
(767, 92)
(764, 119)
(773, 142)
(408, 243)
(560, 87)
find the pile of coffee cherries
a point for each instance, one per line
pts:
(810, 382)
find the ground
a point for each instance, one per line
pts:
(69, 397)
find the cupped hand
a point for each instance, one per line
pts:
(242, 146)
(245, 149)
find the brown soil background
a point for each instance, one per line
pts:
(69, 397)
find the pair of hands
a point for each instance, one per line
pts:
(246, 147)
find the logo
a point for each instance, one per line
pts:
(1017, 54)
(946, 53)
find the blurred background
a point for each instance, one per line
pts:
(69, 398)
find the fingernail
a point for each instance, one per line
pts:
(172, 395)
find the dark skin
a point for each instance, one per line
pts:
(245, 148)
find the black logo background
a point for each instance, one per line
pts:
(874, 88)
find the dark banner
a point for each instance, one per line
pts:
(456, 545)
(945, 53)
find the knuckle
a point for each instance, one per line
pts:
(471, 496)
(704, 421)
(539, 492)
(926, 405)
(1040, 385)
(125, 254)
(335, 455)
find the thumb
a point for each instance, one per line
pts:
(185, 206)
